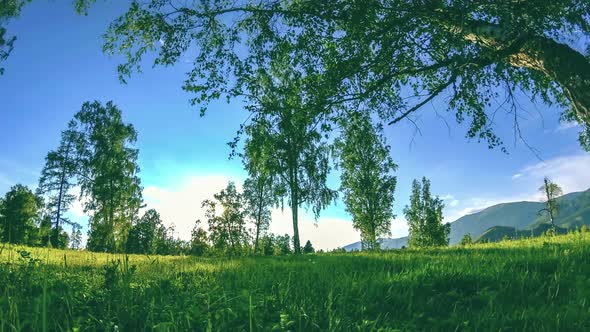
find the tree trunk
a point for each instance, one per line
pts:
(258, 223)
(55, 235)
(559, 62)
(294, 187)
(564, 65)
(549, 202)
(294, 208)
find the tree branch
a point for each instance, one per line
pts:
(434, 93)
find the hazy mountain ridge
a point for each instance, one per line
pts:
(498, 233)
(512, 218)
(386, 243)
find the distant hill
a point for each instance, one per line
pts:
(498, 233)
(574, 210)
(385, 244)
(522, 217)
(517, 214)
(509, 219)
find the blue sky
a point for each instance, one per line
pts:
(57, 64)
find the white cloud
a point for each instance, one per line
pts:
(399, 227)
(181, 206)
(327, 233)
(451, 200)
(77, 208)
(571, 172)
(516, 176)
(567, 125)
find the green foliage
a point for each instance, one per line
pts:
(275, 245)
(76, 237)
(466, 240)
(393, 56)
(282, 245)
(308, 248)
(286, 136)
(366, 178)
(199, 244)
(166, 243)
(19, 213)
(258, 198)
(108, 177)
(227, 230)
(424, 216)
(142, 236)
(44, 232)
(9, 9)
(58, 177)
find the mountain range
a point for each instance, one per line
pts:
(515, 219)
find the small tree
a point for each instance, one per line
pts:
(282, 245)
(18, 215)
(466, 240)
(550, 191)
(424, 216)
(199, 243)
(227, 227)
(267, 244)
(308, 248)
(367, 180)
(259, 197)
(76, 238)
(58, 178)
(142, 236)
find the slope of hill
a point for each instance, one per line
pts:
(509, 219)
(498, 233)
(517, 214)
(574, 211)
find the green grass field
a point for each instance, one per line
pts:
(541, 284)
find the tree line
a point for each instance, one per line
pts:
(318, 79)
(285, 160)
(96, 163)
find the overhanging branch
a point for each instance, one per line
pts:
(434, 93)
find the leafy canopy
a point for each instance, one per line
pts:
(108, 179)
(19, 212)
(394, 55)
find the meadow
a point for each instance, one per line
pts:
(539, 284)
